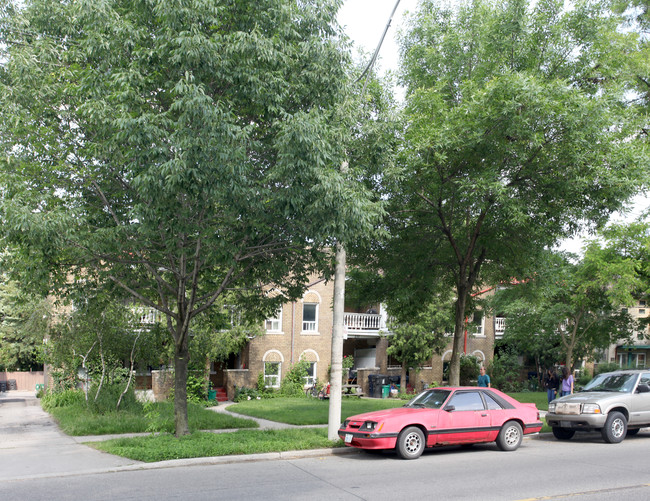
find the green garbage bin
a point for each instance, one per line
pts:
(385, 391)
(212, 394)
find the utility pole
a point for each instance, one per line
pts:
(336, 367)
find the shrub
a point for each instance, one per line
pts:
(504, 372)
(243, 393)
(108, 397)
(64, 398)
(294, 381)
(469, 367)
(606, 367)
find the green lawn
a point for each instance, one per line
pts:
(77, 420)
(297, 411)
(309, 411)
(166, 446)
(538, 398)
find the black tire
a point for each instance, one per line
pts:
(410, 443)
(615, 428)
(632, 432)
(563, 433)
(510, 436)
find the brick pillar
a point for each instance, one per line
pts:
(381, 360)
(161, 383)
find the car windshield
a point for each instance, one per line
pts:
(431, 399)
(612, 382)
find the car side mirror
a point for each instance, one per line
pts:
(450, 408)
(643, 388)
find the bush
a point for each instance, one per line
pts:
(504, 372)
(242, 394)
(469, 368)
(294, 381)
(108, 397)
(64, 398)
(606, 367)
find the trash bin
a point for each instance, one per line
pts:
(212, 394)
(385, 391)
(39, 386)
(11, 384)
(3, 386)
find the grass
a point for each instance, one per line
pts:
(538, 398)
(308, 411)
(78, 420)
(164, 447)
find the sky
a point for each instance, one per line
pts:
(364, 22)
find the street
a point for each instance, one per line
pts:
(543, 467)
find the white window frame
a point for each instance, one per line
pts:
(481, 331)
(310, 326)
(272, 380)
(275, 323)
(311, 379)
(640, 356)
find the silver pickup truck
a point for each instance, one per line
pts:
(615, 403)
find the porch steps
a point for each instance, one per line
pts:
(222, 396)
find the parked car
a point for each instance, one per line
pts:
(615, 403)
(444, 416)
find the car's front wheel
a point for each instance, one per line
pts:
(563, 433)
(410, 443)
(615, 428)
(510, 436)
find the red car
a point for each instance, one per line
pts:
(444, 416)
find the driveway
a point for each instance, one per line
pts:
(31, 443)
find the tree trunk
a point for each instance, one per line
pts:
(181, 359)
(459, 336)
(402, 381)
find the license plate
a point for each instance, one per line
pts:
(348, 438)
(565, 424)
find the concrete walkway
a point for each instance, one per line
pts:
(33, 446)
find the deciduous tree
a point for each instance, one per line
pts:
(177, 149)
(517, 132)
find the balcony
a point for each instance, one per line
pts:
(146, 316)
(362, 324)
(499, 327)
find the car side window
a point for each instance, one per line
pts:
(467, 401)
(492, 404)
(645, 378)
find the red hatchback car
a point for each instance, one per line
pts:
(444, 416)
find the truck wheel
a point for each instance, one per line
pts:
(615, 428)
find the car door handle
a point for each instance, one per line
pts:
(483, 415)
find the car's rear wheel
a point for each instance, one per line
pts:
(632, 432)
(510, 436)
(410, 443)
(563, 433)
(615, 428)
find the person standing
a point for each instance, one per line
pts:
(551, 383)
(484, 379)
(567, 382)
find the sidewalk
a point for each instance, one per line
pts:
(33, 446)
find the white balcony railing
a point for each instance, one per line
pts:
(146, 316)
(362, 321)
(499, 327)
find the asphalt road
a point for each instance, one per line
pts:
(584, 468)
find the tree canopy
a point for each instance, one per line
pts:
(517, 133)
(177, 150)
